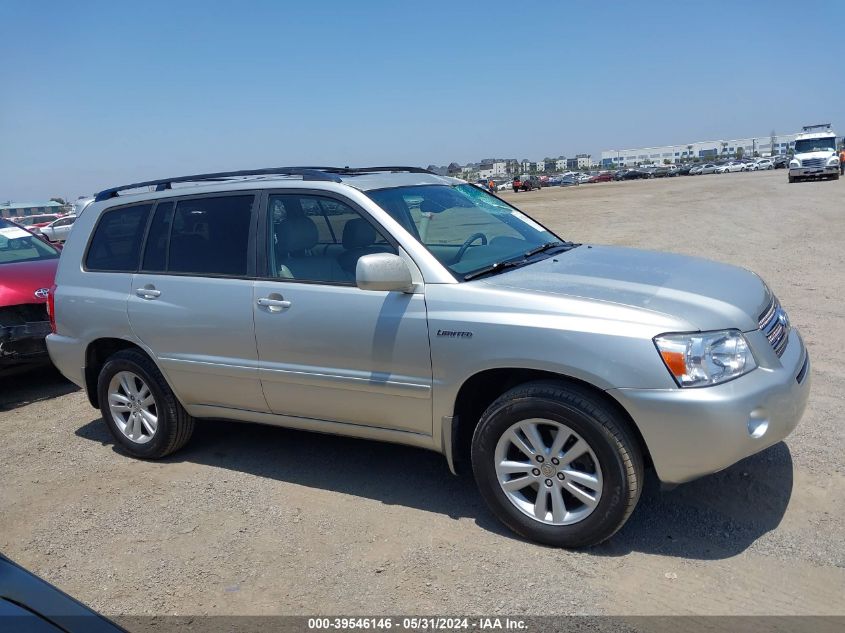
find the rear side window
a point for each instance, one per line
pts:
(210, 236)
(116, 244)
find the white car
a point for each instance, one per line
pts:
(761, 165)
(58, 230)
(730, 167)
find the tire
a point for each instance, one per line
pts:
(612, 455)
(173, 426)
(791, 179)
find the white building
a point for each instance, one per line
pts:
(493, 169)
(704, 150)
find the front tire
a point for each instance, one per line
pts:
(557, 464)
(140, 409)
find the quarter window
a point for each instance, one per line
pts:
(116, 243)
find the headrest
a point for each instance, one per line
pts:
(297, 234)
(358, 233)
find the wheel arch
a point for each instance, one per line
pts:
(481, 389)
(96, 355)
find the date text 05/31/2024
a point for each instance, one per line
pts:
(416, 623)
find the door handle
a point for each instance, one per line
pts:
(275, 303)
(147, 292)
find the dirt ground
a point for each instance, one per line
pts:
(257, 520)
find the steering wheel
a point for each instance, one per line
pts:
(467, 243)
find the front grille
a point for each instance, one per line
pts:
(812, 162)
(22, 314)
(774, 323)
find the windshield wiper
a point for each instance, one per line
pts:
(495, 268)
(523, 259)
(544, 247)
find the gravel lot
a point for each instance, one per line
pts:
(258, 520)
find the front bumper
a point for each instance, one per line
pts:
(23, 344)
(694, 432)
(813, 172)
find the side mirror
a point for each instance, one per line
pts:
(383, 271)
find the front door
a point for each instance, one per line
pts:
(328, 350)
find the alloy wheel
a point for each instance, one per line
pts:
(548, 471)
(133, 407)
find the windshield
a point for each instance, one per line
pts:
(465, 228)
(17, 245)
(826, 144)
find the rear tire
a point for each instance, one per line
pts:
(792, 179)
(130, 385)
(606, 478)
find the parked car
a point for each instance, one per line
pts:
(762, 165)
(30, 604)
(708, 168)
(555, 371)
(632, 174)
(526, 183)
(567, 180)
(730, 167)
(605, 176)
(27, 269)
(695, 170)
(780, 162)
(32, 222)
(656, 171)
(504, 185)
(58, 230)
(684, 170)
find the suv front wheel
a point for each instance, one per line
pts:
(139, 407)
(557, 465)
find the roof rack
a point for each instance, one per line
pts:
(307, 173)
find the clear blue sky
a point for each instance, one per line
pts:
(102, 93)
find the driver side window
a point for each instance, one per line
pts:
(319, 239)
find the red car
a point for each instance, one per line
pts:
(27, 271)
(605, 176)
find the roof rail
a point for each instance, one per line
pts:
(367, 170)
(307, 173)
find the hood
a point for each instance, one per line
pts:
(18, 282)
(705, 294)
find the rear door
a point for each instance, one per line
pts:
(191, 302)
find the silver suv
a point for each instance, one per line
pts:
(393, 304)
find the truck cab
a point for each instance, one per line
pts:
(815, 154)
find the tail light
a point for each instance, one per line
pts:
(51, 307)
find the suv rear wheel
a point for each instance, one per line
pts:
(557, 465)
(139, 407)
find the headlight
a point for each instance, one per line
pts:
(705, 358)
(795, 163)
(833, 160)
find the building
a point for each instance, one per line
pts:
(764, 145)
(583, 161)
(492, 168)
(16, 209)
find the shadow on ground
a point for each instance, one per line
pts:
(34, 385)
(715, 517)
